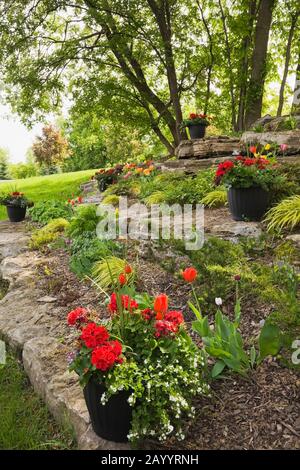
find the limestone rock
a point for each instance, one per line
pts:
(234, 229)
(212, 146)
(290, 138)
(272, 123)
(295, 238)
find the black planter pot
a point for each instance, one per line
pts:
(197, 131)
(248, 203)
(15, 213)
(110, 421)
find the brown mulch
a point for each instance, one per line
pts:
(260, 412)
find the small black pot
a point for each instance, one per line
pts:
(197, 131)
(248, 203)
(16, 213)
(111, 421)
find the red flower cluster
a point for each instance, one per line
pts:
(106, 355)
(77, 316)
(94, 335)
(195, 116)
(147, 314)
(17, 194)
(123, 276)
(74, 202)
(165, 328)
(226, 166)
(175, 317)
(127, 303)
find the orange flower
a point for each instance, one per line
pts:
(147, 172)
(190, 274)
(139, 170)
(160, 306)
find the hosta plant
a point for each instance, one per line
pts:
(144, 349)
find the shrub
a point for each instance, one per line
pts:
(48, 234)
(111, 199)
(45, 211)
(84, 220)
(285, 215)
(215, 198)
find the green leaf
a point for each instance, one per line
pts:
(217, 369)
(252, 356)
(195, 311)
(269, 341)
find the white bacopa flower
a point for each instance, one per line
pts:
(218, 301)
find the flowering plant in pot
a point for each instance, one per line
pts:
(107, 176)
(197, 124)
(139, 368)
(250, 181)
(16, 204)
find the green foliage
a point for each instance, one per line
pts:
(269, 341)
(23, 170)
(285, 215)
(44, 211)
(48, 234)
(215, 198)
(19, 403)
(86, 251)
(112, 199)
(223, 342)
(157, 197)
(86, 139)
(84, 220)
(110, 268)
(4, 169)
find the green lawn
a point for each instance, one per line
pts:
(40, 188)
(25, 422)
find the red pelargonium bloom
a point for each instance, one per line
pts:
(77, 316)
(160, 306)
(240, 158)
(249, 161)
(165, 328)
(147, 314)
(16, 193)
(190, 274)
(253, 149)
(175, 317)
(122, 279)
(127, 303)
(94, 335)
(106, 355)
(193, 116)
(128, 269)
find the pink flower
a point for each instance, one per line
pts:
(283, 147)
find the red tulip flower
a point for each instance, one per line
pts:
(161, 306)
(253, 149)
(190, 274)
(122, 279)
(128, 269)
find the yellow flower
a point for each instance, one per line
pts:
(147, 172)
(267, 146)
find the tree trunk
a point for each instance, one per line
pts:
(161, 12)
(244, 67)
(296, 99)
(287, 62)
(258, 65)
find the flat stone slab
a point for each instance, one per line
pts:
(211, 146)
(30, 322)
(232, 230)
(289, 138)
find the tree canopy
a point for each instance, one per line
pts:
(147, 62)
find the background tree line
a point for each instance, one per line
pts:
(137, 66)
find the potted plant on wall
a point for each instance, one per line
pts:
(16, 205)
(250, 181)
(139, 368)
(196, 124)
(108, 176)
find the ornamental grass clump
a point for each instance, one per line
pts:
(144, 349)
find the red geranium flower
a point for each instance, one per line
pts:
(77, 316)
(106, 355)
(94, 335)
(189, 274)
(193, 116)
(174, 317)
(165, 328)
(161, 306)
(147, 314)
(249, 161)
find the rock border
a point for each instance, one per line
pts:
(29, 327)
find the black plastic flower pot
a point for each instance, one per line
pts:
(197, 131)
(111, 421)
(248, 203)
(16, 213)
